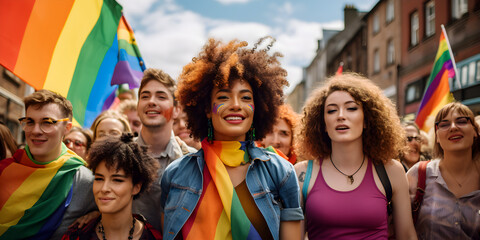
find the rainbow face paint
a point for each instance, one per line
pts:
(216, 107)
(252, 107)
(168, 114)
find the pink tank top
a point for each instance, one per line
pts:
(357, 214)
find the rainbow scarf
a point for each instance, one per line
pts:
(437, 93)
(71, 47)
(36, 196)
(219, 213)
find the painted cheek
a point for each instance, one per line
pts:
(168, 114)
(252, 107)
(217, 108)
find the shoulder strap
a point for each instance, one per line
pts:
(382, 174)
(422, 177)
(308, 175)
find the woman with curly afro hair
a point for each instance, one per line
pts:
(349, 127)
(230, 188)
(123, 170)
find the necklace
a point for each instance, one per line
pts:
(350, 177)
(130, 233)
(460, 184)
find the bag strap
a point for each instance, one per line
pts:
(308, 175)
(422, 178)
(382, 174)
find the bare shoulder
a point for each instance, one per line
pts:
(396, 174)
(301, 166)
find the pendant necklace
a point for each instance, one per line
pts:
(130, 233)
(350, 177)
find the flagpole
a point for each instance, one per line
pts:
(451, 55)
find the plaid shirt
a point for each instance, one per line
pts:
(88, 232)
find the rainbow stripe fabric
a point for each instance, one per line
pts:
(70, 47)
(36, 196)
(219, 213)
(437, 93)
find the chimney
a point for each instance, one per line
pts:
(350, 14)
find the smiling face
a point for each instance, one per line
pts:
(113, 190)
(155, 105)
(344, 119)
(43, 146)
(280, 138)
(457, 137)
(232, 111)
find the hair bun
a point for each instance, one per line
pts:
(127, 137)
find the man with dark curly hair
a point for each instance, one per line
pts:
(231, 189)
(156, 110)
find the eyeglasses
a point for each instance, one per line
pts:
(444, 125)
(77, 143)
(416, 138)
(47, 125)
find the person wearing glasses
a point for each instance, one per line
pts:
(109, 124)
(411, 154)
(46, 186)
(79, 141)
(451, 203)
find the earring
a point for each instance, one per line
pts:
(252, 133)
(210, 130)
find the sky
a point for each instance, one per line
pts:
(170, 33)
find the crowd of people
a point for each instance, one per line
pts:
(217, 154)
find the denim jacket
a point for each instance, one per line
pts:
(270, 179)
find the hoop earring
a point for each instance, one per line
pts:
(210, 130)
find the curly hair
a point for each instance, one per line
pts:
(462, 110)
(43, 97)
(110, 114)
(125, 154)
(383, 136)
(217, 66)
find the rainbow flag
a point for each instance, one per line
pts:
(437, 92)
(33, 202)
(67, 46)
(130, 66)
(219, 213)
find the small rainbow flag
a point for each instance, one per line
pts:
(437, 93)
(70, 47)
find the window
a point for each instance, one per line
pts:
(478, 71)
(414, 91)
(430, 18)
(414, 29)
(464, 76)
(471, 73)
(390, 14)
(376, 24)
(376, 61)
(459, 7)
(390, 52)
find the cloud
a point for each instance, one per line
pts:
(169, 37)
(226, 2)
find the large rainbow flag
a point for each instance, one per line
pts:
(70, 47)
(437, 92)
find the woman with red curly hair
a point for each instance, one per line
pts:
(282, 136)
(349, 127)
(231, 189)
